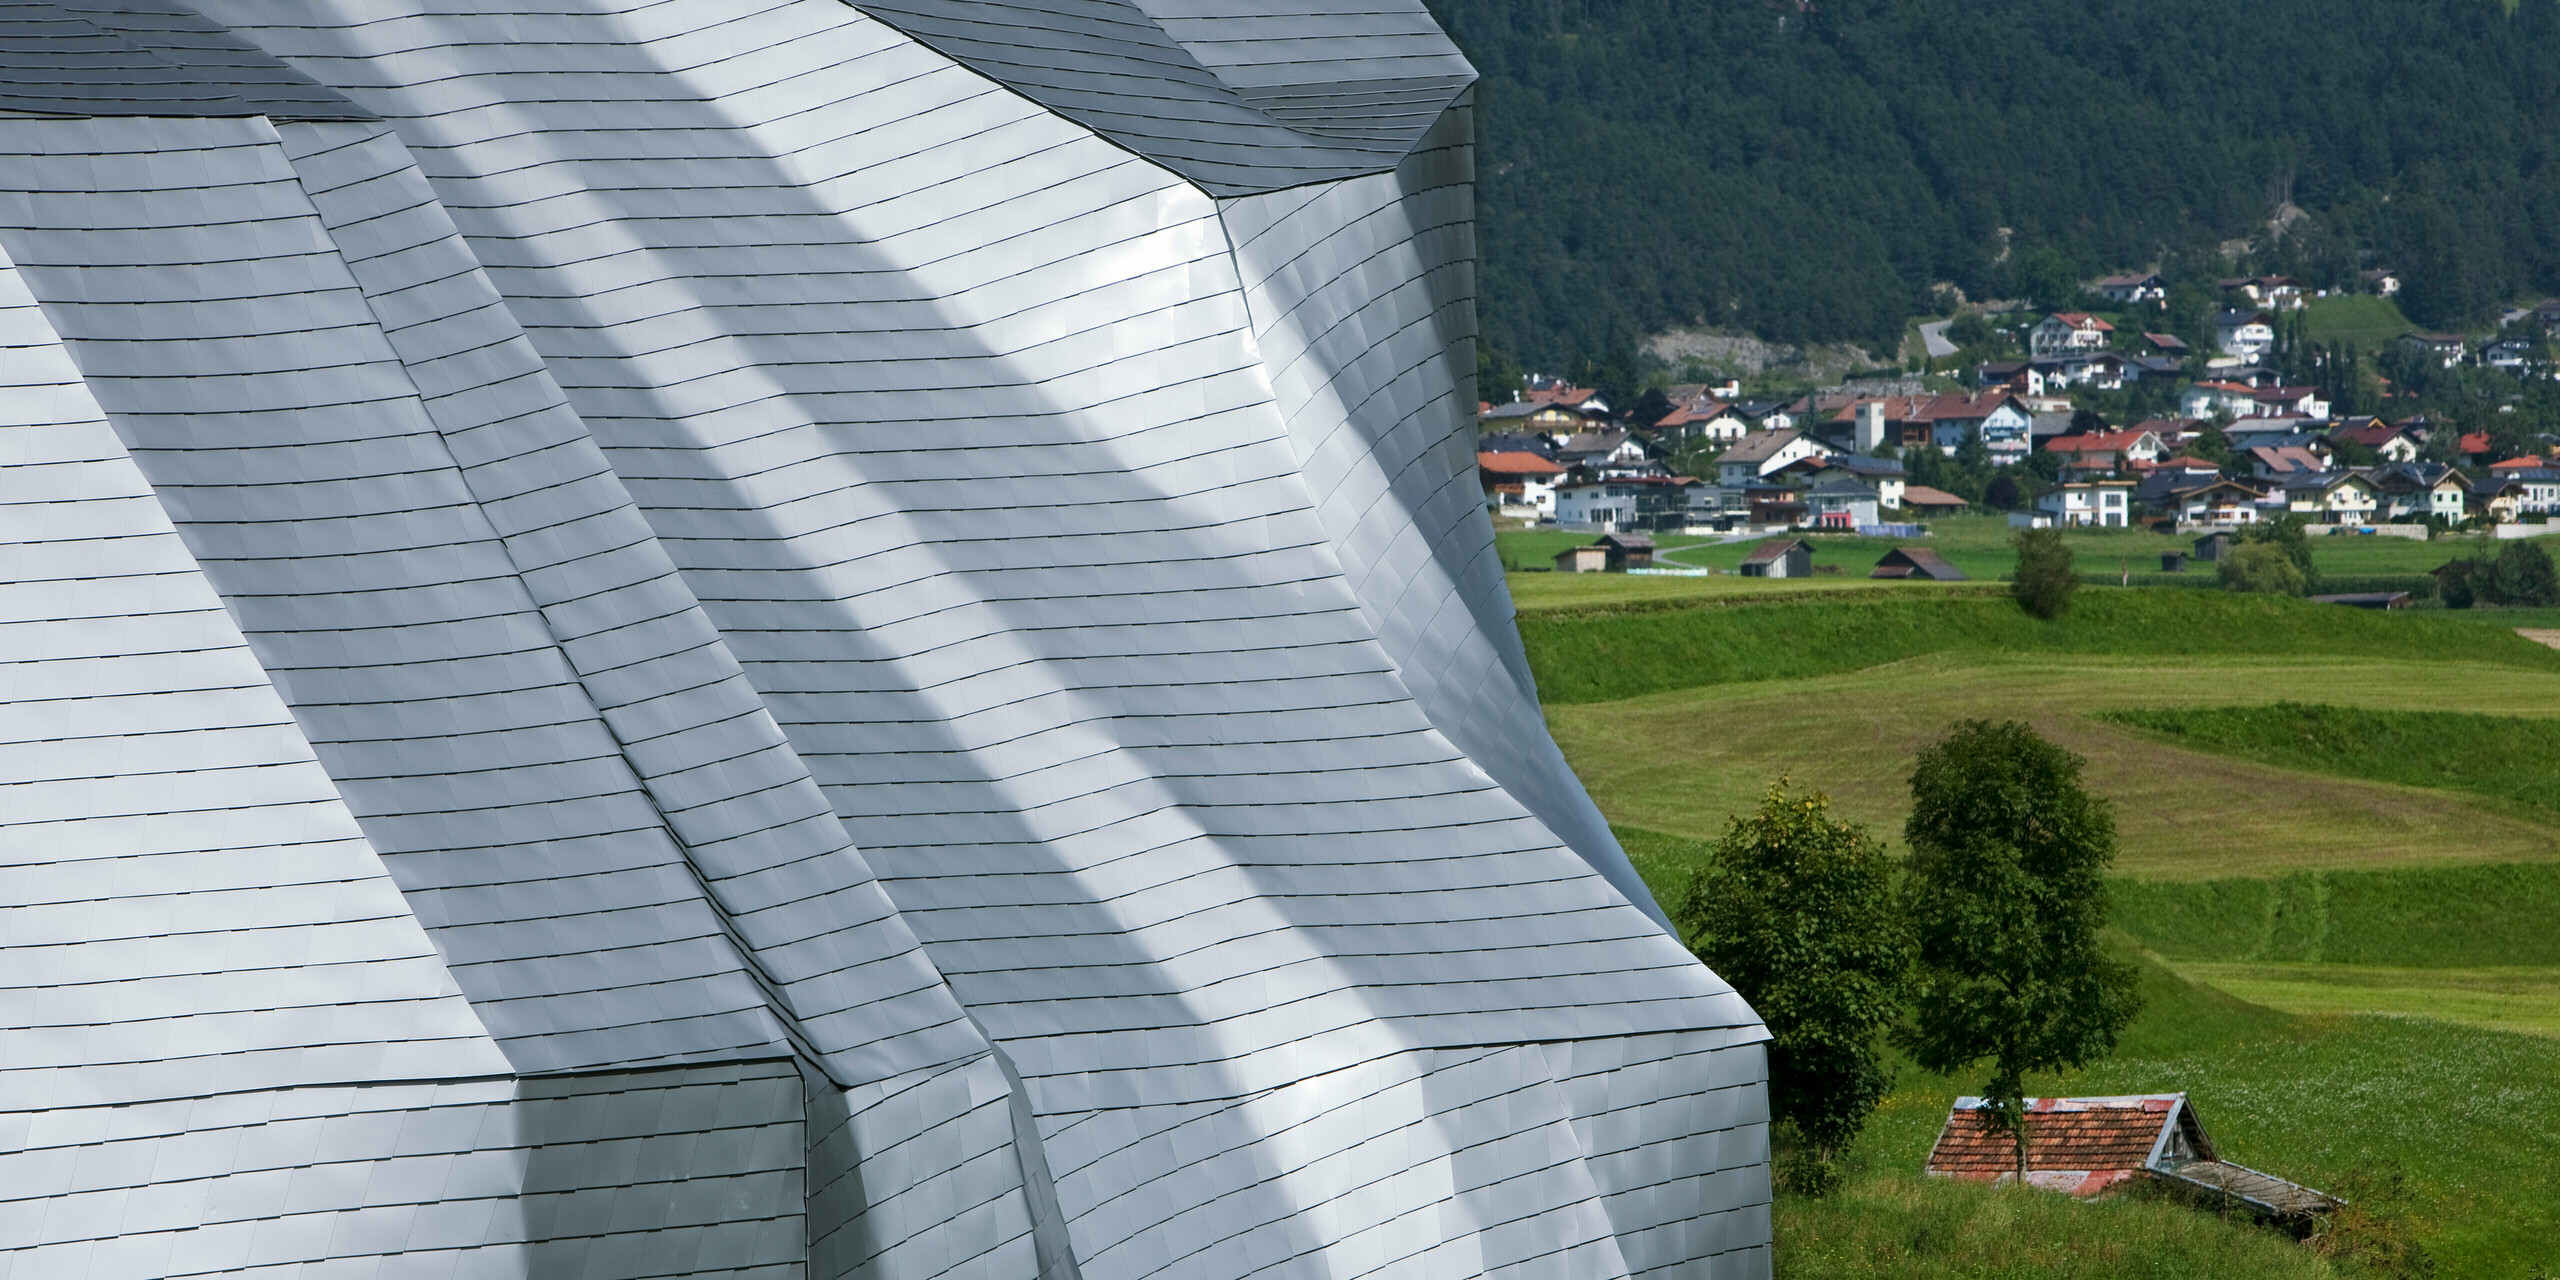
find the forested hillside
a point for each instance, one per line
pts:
(1808, 170)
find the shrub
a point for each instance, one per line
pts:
(2261, 568)
(2044, 580)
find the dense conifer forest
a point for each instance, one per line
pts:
(1814, 170)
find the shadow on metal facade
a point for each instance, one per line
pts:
(771, 638)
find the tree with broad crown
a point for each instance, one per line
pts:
(1797, 911)
(2045, 579)
(2006, 895)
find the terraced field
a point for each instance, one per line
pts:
(2347, 937)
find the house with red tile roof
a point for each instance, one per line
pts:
(1518, 484)
(2066, 331)
(2087, 1146)
(2113, 450)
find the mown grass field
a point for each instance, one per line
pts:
(2360, 320)
(2348, 951)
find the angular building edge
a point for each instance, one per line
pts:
(661, 639)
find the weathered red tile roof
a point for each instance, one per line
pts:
(2083, 320)
(2064, 1135)
(2475, 442)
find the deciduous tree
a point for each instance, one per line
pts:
(1797, 911)
(2006, 895)
(2045, 579)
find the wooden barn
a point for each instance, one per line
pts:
(1917, 562)
(1784, 558)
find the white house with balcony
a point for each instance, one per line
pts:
(2068, 331)
(2106, 504)
(2246, 334)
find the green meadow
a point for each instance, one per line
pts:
(2340, 857)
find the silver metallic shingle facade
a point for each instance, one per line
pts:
(773, 638)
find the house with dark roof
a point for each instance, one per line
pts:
(1763, 452)
(2447, 348)
(2416, 490)
(2284, 462)
(2167, 344)
(2210, 502)
(1841, 502)
(1916, 562)
(2087, 1146)
(2132, 287)
(2246, 334)
(1608, 453)
(1542, 416)
(2284, 293)
(2335, 497)
(2393, 443)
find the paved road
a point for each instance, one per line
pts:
(1933, 339)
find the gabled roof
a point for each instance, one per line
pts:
(1768, 551)
(2098, 442)
(2130, 279)
(2373, 434)
(1921, 495)
(1916, 562)
(2082, 320)
(2474, 442)
(1516, 464)
(1593, 442)
(2234, 388)
(2286, 459)
(1519, 409)
(1759, 446)
(2087, 1145)
(2525, 463)
(2075, 1135)
(2166, 341)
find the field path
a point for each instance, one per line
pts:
(2541, 635)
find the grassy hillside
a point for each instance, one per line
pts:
(2361, 321)
(2405, 1089)
(2345, 936)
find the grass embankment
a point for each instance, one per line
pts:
(2506, 757)
(1595, 653)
